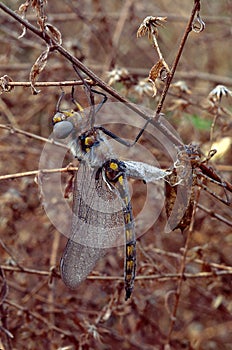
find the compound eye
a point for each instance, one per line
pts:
(58, 117)
(62, 129)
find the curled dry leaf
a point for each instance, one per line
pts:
(38, 6)
(198, 24)
(22, 11)
(54, 33)
(37, 68)
(159, 70)
(179, 189)
(23, 8)
(4, 86)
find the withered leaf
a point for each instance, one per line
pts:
(156, 72)
(4, 86)
(179, 202)
(54, 33)
(37, 68)
(180, 191)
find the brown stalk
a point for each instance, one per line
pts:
(54, 46)
(188, 29)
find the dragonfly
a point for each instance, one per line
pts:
(102, 207)
(191, 170)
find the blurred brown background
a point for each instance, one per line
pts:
(102, 34)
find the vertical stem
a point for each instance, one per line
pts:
(196, 8)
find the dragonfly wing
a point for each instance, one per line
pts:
(97, 224)
(77, 262)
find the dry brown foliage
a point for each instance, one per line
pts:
(182, 297)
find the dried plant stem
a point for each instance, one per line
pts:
(33, 136)
(177, 58)
(191, 259)
(179, 286)
(7, 250)
(37, 172)
(52, 286)
(37, 316)
(225, 271)
(44, 36)
(215, 215)
(182, 269)
(216, 116)
(117, 34)
(49, 83)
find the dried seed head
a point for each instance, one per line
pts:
(144, 88)
(117, 74)
(218, 92)
(181, 86)
(149, 26)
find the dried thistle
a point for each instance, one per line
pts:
(218, 92)
(149, 26)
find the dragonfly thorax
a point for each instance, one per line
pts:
(91, 146)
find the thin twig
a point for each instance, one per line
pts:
(156, 277)
(33, 136)
(177, 58)
(74, 61)
(50, 83)
(117, 34)
(52, 286)
(215, 215)
(37, 172)
(182, 272)
(186, 75)
(40, 318)
(172, 17)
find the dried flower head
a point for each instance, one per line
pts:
(143, 88)
(216, 94)
(181, 86)
(117, 75)
(149, 25)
